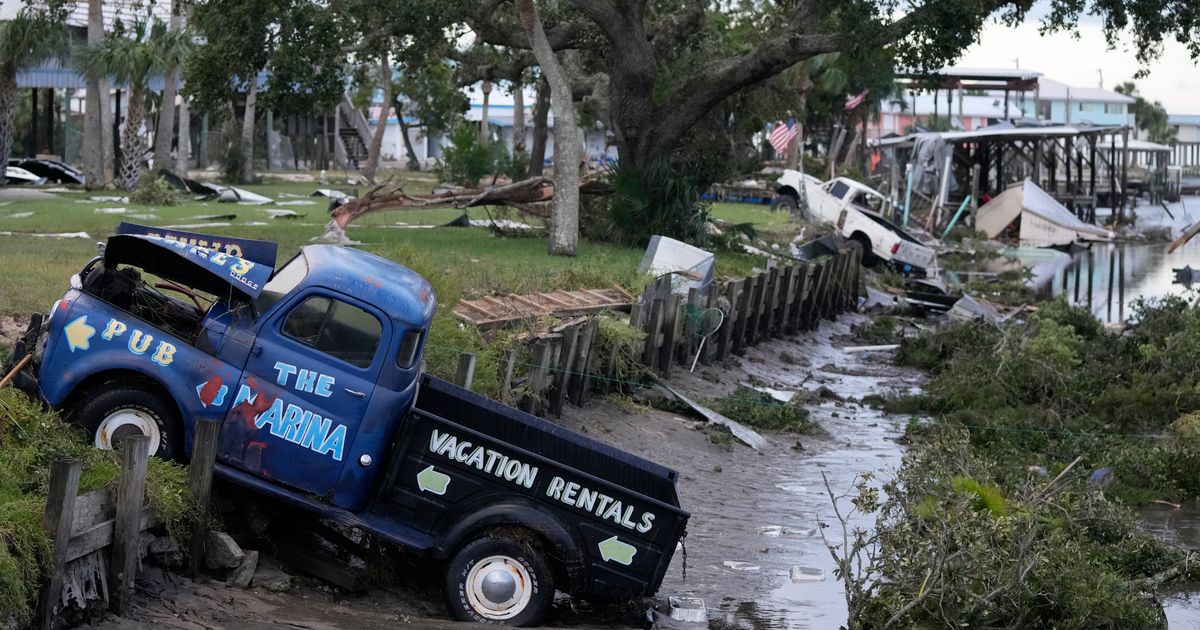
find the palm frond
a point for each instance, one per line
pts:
(136, 54)
(29, 38)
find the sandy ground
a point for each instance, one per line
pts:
(732, 492)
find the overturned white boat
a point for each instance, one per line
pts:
(1043, 220)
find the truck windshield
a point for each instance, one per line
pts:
(282, 283)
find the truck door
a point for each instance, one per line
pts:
(307, 383)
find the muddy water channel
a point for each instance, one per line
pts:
(754, 551)
(1109, 278)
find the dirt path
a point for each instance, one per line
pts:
(756, 509)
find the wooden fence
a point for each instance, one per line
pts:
(564, 364)
(97, 537)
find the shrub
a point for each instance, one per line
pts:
(153, 191)
(956, 546)
(655, 200)
(759, 410)
(466, 160)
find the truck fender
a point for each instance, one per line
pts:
(519, 512)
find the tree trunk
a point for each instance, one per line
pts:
(373, 151)
(166, 109)
(485, 128)
(413, 163)
(97, 121)
(518, 134)
(8, 111)
(564, 222)
(133, 149)
(541, 113)
(248, 131)
(184, 150)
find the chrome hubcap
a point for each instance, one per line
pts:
(499, 587)
(123, 422)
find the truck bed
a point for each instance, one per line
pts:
(447, 400)
(466, 463)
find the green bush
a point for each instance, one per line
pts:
(1061, 385)
(466, 160)
(153, 191)
(759, 410)
(655, 200)
(954, 545)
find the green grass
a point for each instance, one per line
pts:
(459, 262)
(758, 215)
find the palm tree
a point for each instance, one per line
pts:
(133, 57)
(27, 39)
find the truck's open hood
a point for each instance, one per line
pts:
(197, 267)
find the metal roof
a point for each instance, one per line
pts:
(999, 132)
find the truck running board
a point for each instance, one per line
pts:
(378, 525)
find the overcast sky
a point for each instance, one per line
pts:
(1174, 79)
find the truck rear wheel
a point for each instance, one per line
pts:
(108, 415)
(499, 580)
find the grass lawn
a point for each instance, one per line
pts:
(459, 261)
(759, 215)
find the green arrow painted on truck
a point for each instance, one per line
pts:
(613, 550)
(430, 480)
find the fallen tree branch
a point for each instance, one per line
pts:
(389, 196)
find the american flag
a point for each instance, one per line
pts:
(782, 135)
(854, 102)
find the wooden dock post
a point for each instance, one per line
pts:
(465, 374)
(745, 304)
(56, 523)
(666, 354)
(126, 530)
(200, 475)
(506, 372)
(563, 377)
(727, 327)
(653, 332)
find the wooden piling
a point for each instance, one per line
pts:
(506, 372)
(465, 374)
(725, 335)
(563, 375)
(653, 332)
(745, 303)
(56, 523)
(666, 354)
(200, 475)
(126, 531)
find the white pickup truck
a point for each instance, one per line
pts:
(854, 208)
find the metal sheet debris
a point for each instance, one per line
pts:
(691, 267)
(743, 433)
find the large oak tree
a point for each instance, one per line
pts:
(667, 64)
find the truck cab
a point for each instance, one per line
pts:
(314, 371)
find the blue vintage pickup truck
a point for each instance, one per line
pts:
(314, 369)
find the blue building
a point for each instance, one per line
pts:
(1064, 104)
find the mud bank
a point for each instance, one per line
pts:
(754, 513)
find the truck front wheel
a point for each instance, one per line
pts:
(111, 414)
(499, 580)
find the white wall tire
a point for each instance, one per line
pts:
(499, 581)
(109, 414)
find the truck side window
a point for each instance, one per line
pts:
(410, 346)
(839, 189)
(336, 328)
